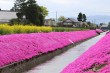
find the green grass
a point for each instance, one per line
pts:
(62, 29)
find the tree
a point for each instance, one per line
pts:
(109, 25)
(101, 24)
(31, 10)
(20, 8)
(61, 18)
(44, 11)
(89, 23)
(84, 18)
(18, 5)
(20, 16)
(80, 17)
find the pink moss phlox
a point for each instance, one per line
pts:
(18, 47)
(94, 60)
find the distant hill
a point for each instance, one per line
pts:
(99, 19)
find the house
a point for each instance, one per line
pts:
(70, 22)
(6, 16)
(105, 27)
(49, 22)
(83, 24)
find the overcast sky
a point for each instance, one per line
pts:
(68, 8)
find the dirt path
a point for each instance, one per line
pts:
(57, 64)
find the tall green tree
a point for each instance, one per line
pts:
(18, 5)
(84, 18)
(20, 16)
(80, 17)
(33, 12)
(44, 11)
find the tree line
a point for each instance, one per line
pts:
(81, 17)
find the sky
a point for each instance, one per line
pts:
(68, 8)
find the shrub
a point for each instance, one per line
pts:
(7, 29)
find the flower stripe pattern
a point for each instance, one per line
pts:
(18, 47)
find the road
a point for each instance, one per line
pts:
(58, 63)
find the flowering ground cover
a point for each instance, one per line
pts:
(99, 31)
(18, 47)
(95, 60)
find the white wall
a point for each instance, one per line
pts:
(5, 16)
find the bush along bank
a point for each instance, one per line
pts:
(18, 47)
(17, 29)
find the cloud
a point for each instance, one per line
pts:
(68, 8)
(6, 0)
(6, 4)
(62, 2)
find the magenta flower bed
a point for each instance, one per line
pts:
(95, 60)
(18, 47)
(99, 30)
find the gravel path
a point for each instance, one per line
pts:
(58, 63)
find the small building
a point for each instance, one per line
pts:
(49, 22)
(70, 22)
(105, 27)
(6, 16)
(83, 24)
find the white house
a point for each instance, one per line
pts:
(6, 16)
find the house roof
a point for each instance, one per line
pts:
(105, 25)
(6, 11)
(69, 20)
(72, 19)
(49, 19)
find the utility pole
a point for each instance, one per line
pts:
(56, 17)
(94, 21)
